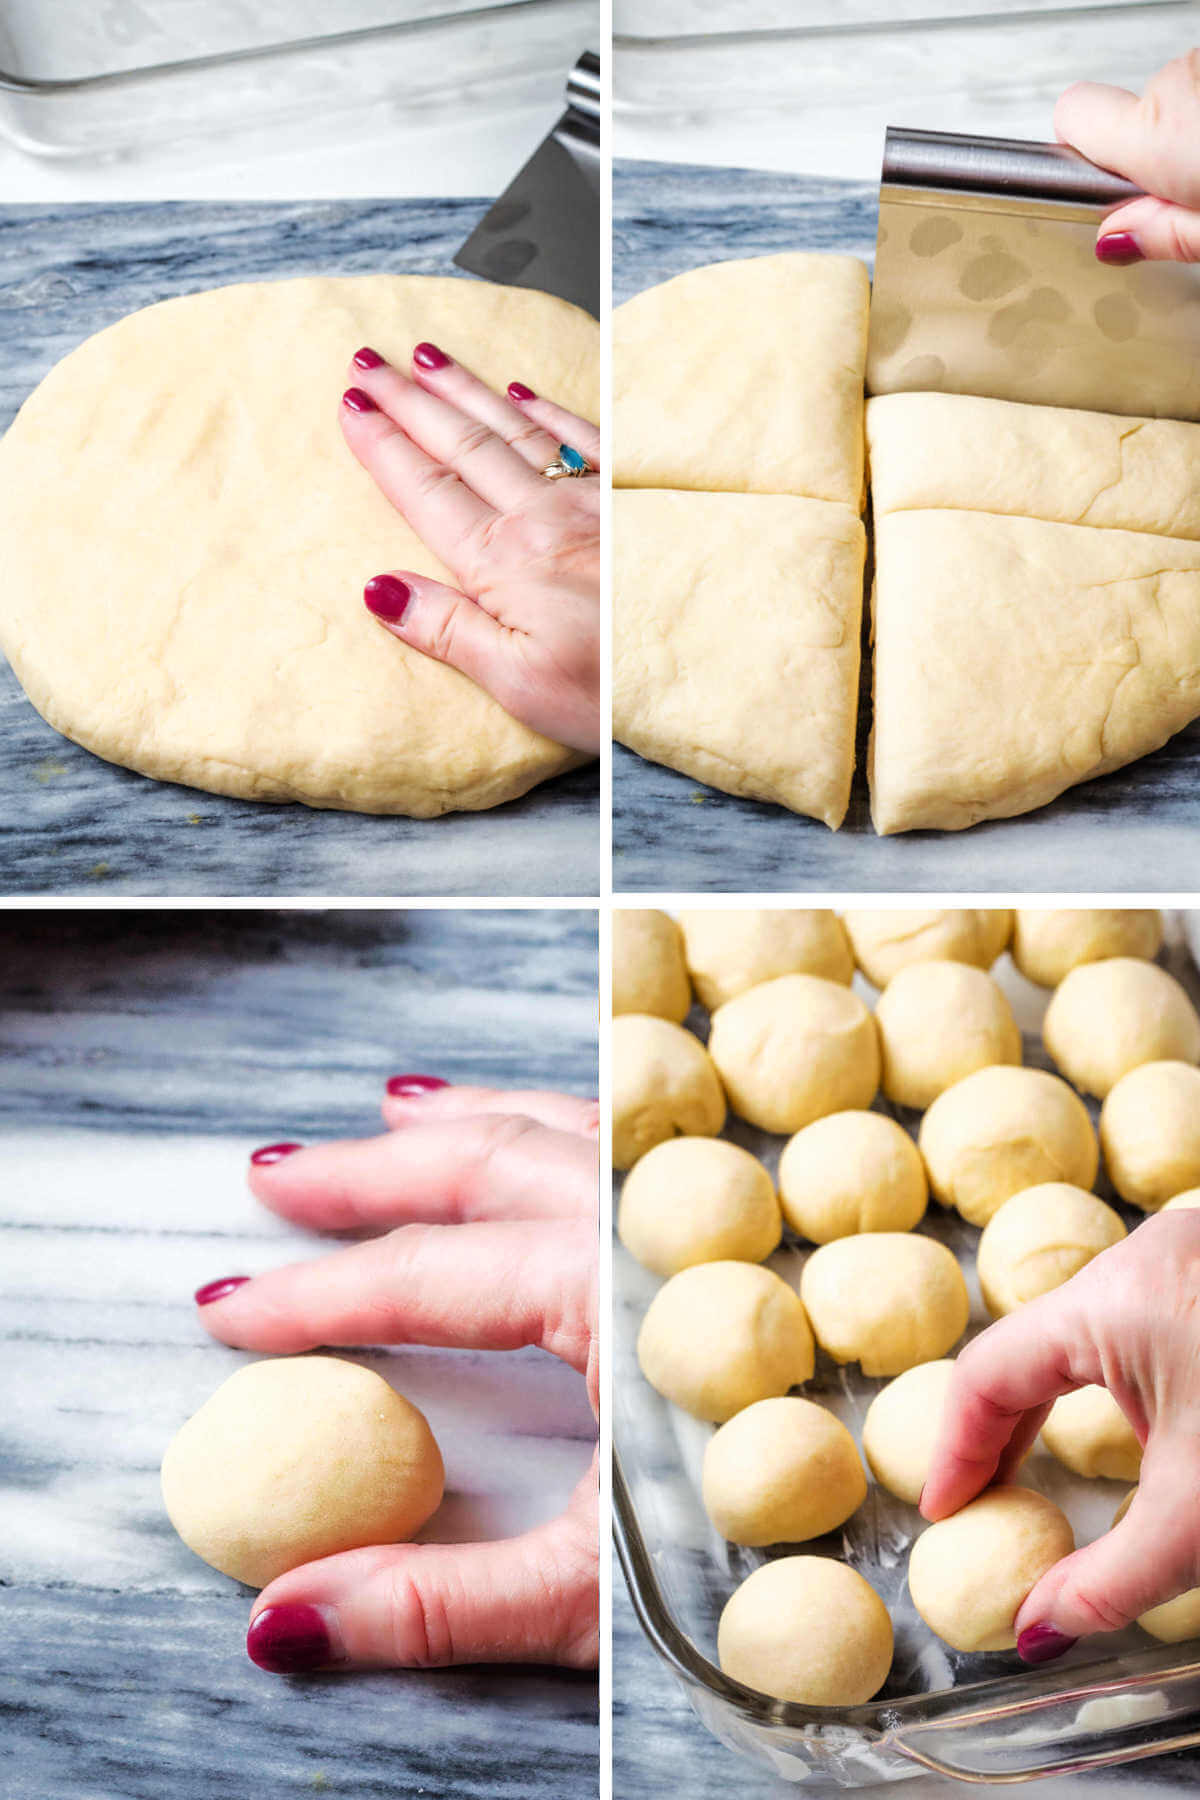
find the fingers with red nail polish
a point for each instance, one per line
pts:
(272, 1153)
(411, 1087)
(291, 1640)
(1119, 249)
(366, 358)
(213, 1291)
(358, 402)
(428, 356)
(1043, 1643)
(519, 392)
(388, 597)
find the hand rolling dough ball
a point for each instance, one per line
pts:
(1038, 1239)
(1174, 1621)
(885, 941)
(697, 1200)
(664, 1086)
(298, 1458)
(885, 1300)
(902, 1426)
(781, 1471)
(1048, 943)
(1112, 1016)
(795, 1049)
(647, 963)
(809, 1629)
(1090, 1435)
(1184, 1202)
(722, 1335)
(1150, 1133)
(1000, 1130)
(851, 1172)
(939, 1021)
(730, 950)
(970, 1574)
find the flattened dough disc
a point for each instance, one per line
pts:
(186, 538)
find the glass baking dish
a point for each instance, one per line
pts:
(984, 1719)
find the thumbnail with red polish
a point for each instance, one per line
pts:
(219, 1290)
(410, 1087)
(272, 1153)
(387, 597)
(289, 1640)
(1042, 1643)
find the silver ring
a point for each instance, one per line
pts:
(569, 464)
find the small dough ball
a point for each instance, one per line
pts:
(902, 1425)
(1184, 1202)
(647, 964)
(806, 1628)
(717, 1337)
(1038, 1239)
(1000, 1130)
(795, 1049)
(852, 1172)
(1048, 943)
(939, 1021)
(697, 1200)
(1174, 1621)
(1090, 1435)
(664, 1086)
(886, 941)
(970, 1574)
(885, 1300)
(297, 1458)
(1110, 1017)
(728, 951)
(1150, 1133)
(781, 1471)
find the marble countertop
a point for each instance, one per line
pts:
(144, 1056)
(72, 824)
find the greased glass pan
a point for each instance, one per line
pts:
(984, 1719)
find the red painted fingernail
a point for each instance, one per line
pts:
(357, 401)
(428, 356)
(289, 1640)
(272, 1153)
(217, 1290)
(518, 391)
(387, 597)
(1042, 1643)
(366, 358)
(1119, 248)
(410, 1087)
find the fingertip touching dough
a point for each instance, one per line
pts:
(885, 1300)
(851, 1172)
(886, 940)
(808, 1629)
(664, 1086)
(939, 1021)
(969, 1575)
(722, 1335)
(730, 949)
(1174, 1621)
(902, 1427)
(1109, 1017)
(794, 1049)
(1038, 1239)
(1090, 1435)
(1048, 942)
(647, 963)
(694, 1200)
(1150, 1133)
(1000, 1130)
(780, 1472)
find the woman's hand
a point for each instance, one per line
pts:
(1130, 1322)
(494, 1197)
(464, 465)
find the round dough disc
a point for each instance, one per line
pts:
(1003, 1129)
(939, 1021)
(794, 1049)
(1112, 1016)
(851, 1172)
(885, 941)
(809, 1629)
(1049, 942)
(698, 1199)
(1038, 1239)
(731, 949)
(648, 973)
(721, 1335)
(885, 1300)
(970, 1574)
(1150, 1133)
(780, 1472)
(664, 1086)
(902, 1425)
(1090, 1435)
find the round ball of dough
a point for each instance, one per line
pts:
(809, 1629)
(1000, 1130)
(1150, 1133)
(970, 1574)
(664, 1086)
(298, 1458)
(1110, 1017)
(794, 1049)
(1048, 943)
(697, 1200)
(1038, 1239)
(851, 1172)
(886, 941)
(1184, 1202)
(939, 1021)
(885, 1300)
(728, 951)
(719, 1336)
(1174, 1621)
(647, 964)
(902, 1425)
(781, 1471)
(1090, 1435)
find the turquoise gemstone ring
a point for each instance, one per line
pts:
(568, 462)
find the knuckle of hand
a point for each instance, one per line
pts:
(420, 1622)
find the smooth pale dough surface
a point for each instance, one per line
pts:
(809, 1629)
(1015, 658)
(1108, 1017)
(695, 1200)
(647, 963)
(1090, 1435)
(780, 1472)
(298, 1458)
(189, 460)
(1150, 1133)
(885, 1300)
(722, 1335)
(1175, 1620)
(885, 940)
(968, 1575)
(736, 621)
(712, 373)
(1000, 1130)
(794, 1049)
(850, 1172)
(731, 949)
(939, 1021)
(1040, 1238)
(1049, 942)
(664, 1086)
(902, 1426)
(1182, 1202)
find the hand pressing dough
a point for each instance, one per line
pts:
(745, 377)
(1109, 1017)
(780, 1472)
(889, 939)
(1174, 1621)
(969, 1575)
(808, 1629)
(722, 1335)
(736, 622)
(295, 1459)
(1150, 1133)
(902, 1427)
(731, 949)
(664, 1086)
(793, 1050)
(647, 963)
(851, 1172)
(186, 538)
(1048, 942)
(939, 1021)
(1015, 658)
(1000, 1130)
(1038, 1239)
(885, 1300)
(696, 1200)
(1090, 1435)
